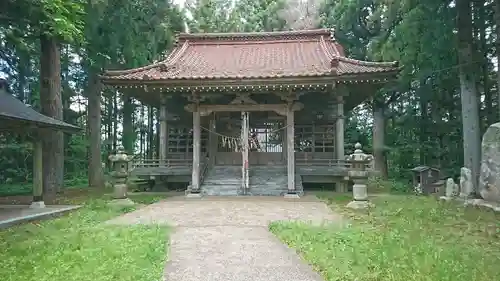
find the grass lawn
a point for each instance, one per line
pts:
(404, 238)
(79, 247)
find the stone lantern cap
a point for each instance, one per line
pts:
(120, 156)
(359, 156)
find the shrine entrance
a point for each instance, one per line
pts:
(264, 132)
(252, 140)
(267, 139)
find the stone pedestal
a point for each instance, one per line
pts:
(291, 196)
(37, 205)
(120, 173)
(193, 195)
(359, 161)
(356, 205)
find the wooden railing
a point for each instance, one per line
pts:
(326, 163)
(204, 168)
(149, 163)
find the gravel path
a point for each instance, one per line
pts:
(224, 239)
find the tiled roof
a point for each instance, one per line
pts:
(253, 55)
(14, 113)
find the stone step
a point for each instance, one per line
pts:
(222, 186)
(214, 182)
(263, 181)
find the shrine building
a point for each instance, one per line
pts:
(252, 113)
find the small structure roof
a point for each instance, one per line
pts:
(14, 114)
(256, 55)
(423, 168)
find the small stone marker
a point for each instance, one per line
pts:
(465, 183)
(120, 173)
(359, 161)
(451, 190)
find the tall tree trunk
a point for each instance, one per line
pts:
(379, 138)
(51, 105)
(128, 139)
(109, 129)
(469, 95)
(95, 173)
(483, 57)
(497, 47)
(22, 74)
(424, 121)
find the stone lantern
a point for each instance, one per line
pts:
(120, 164)
(359, 175)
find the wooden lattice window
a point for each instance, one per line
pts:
(303, 138)
(268, 136)
(180, 139)
(315, 138)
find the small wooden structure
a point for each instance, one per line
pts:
(252, 101)
(427, 178)
(17, 117)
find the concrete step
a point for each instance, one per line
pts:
(263, 181)
(218, 182)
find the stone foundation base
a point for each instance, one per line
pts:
(359, 205)
(124, 202)
(37, 205)
(291, 196)
(193, 195)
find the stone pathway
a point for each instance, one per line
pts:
(227, 238)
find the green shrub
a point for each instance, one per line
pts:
(377, 184)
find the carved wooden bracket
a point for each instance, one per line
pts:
(289, 97)
(192, 108)
(195, 97)
(243, 99)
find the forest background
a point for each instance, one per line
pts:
(52, 51)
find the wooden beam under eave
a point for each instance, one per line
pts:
(206, 109)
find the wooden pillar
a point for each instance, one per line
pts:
(339, 130)
(212, 140)
(284, 151)
(290, 147)
(339, 141)
(37, 175)
(163, 129)
(244, 151)
(195, 179)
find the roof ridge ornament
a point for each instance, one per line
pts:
(368, 63)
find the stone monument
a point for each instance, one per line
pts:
(466, 187)
(451, 190)
(489, 177)
(359, 175)
(120, 163)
